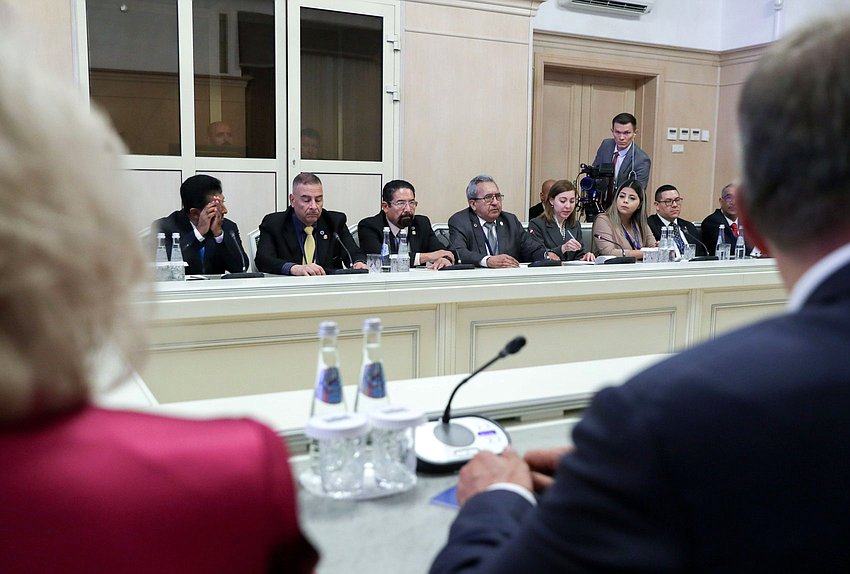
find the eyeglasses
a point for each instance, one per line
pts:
(490, 197)
(728, 198)
(401, 204)
(674, 201)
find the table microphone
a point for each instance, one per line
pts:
(615, 260)
(447, 444)
(351, 269)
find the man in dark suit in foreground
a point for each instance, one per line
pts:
(693, 468)
(485, 235)
(306, 239)
(398, 211)
(209, 242)
(668, 205)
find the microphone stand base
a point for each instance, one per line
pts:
(444, 448)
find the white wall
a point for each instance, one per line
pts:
(715, 25)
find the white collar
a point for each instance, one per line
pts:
(817, 274)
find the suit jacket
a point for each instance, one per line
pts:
(228, 255)
(602, 226)
(467, 238)
(689, 229)
(730, 457)
(104, 491)
(535, 211)
(420, 235)
(278, 243)
(637, 161)
(550, 235)
(710, 229)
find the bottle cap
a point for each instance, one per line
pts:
(372, 325)
(395, 417)
(175, 236)
(328, 329)
(333, 426)
(160, 235)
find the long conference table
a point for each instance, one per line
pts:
(228, 338)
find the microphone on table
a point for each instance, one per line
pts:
(239, 250)
(351, 269)
(244, 274)
(615, 260)
(705, 257)
(447, 444)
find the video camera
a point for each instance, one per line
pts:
(594, 188)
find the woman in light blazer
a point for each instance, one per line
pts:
(623, 230)
(558, 227)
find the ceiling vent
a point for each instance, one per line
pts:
(634, 8)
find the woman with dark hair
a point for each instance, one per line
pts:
(623, 230)
(558, 227)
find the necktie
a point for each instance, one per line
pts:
(309, 245)
(735, 229)
(492, 242)
(677, 238)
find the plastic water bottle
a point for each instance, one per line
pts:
(385, 251)
(722, 248)
(328, 397)
(163, 271)
(178, 268)
(372, 389)
(403, 251)
(740, 245)
(664, 245)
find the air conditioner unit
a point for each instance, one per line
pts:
(635, 8)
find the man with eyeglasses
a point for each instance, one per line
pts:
(668, 205)
(398, 211)
(485, 235)
(726, 215)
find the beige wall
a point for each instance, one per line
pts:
(683, 89)
(47, 24)
(465, 102)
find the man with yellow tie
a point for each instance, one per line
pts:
(306, 239)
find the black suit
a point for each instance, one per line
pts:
(550, 235)
(467, 238)
(731, 457)
(710, 229)
(279, 245)
(229, 255)
(420, 235)
(688, 228)
(535, 211)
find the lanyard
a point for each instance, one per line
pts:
(636, 243)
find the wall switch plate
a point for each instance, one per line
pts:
(672, 134)
(705, 135)
(678, 148)
(695, 133)
(684, 134)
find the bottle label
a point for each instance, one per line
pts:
(372, 383)
(329, 386)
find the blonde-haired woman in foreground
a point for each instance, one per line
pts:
(87, 489)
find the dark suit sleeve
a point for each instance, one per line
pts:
(339, 222)
(229, 254)
(530, 248)
(428, 241)
(461, 239)
(537, 232)
(642, 166)
(600, 155)
(611, 508)
(269, 258)
(709, 230)
(371, 238)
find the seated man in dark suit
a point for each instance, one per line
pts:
(398, 211)
(726, 215)
(210, 243)
(694, 466)
(306, 239)
(668, 205)
(485, 235)
(537, 210)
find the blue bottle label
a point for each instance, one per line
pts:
(329, 386)
(373, 384)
